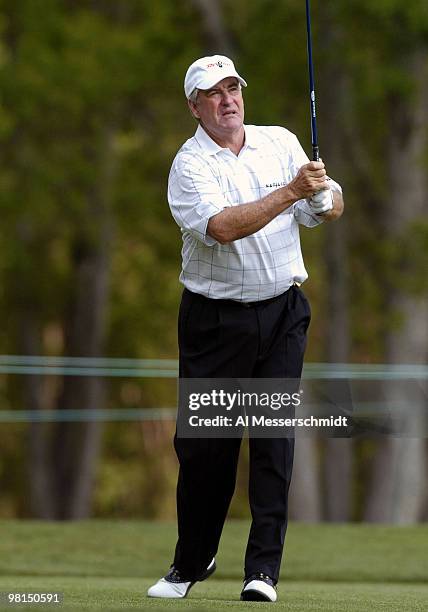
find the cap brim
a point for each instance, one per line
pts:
(210, 82)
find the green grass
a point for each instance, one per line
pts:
(108, 565)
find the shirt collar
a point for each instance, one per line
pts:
(251, 140)
(206, 142)
(211, 147)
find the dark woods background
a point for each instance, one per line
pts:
(92, 112)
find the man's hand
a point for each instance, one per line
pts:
(310, 179)
(322, 201)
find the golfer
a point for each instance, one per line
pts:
(239, 193)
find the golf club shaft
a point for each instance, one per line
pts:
(314, 135)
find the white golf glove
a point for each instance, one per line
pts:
(322, 201)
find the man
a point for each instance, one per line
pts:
(238, 193)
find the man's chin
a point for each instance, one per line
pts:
(232, 122)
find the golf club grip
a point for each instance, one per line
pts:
(315, 153)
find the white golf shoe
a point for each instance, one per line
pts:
(259, 587)
(172, 585)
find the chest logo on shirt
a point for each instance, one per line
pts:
(277, 184)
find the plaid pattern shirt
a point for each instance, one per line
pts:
(205, 179)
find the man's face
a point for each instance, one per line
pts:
(221, 108)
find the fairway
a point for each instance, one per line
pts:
(108, 565)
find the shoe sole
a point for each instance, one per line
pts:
(204, 576)
(254, 596)
(207, 573)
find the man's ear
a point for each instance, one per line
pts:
(193, 109)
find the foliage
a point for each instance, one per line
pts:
(94, 89)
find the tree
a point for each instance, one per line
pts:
(398, 32)
(79, 99)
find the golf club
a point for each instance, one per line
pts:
(315, 147)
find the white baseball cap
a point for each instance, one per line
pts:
(207, 71)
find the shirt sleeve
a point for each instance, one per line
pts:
(303, 213)
(194, 196)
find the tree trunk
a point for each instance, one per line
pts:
(217, 37)
(62, 457)
(305, 491)
(397, 491)
(76, 445)
(38, 466)
(338, 453)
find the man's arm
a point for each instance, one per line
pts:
(236, 222)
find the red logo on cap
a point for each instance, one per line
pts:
(220, 64)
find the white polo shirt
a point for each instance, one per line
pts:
(205, 179)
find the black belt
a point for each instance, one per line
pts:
(236, 303)
(260, 302)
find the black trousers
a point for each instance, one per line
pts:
(223, 339)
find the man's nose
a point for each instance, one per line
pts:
(226, 97)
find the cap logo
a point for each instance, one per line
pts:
(220, 64)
